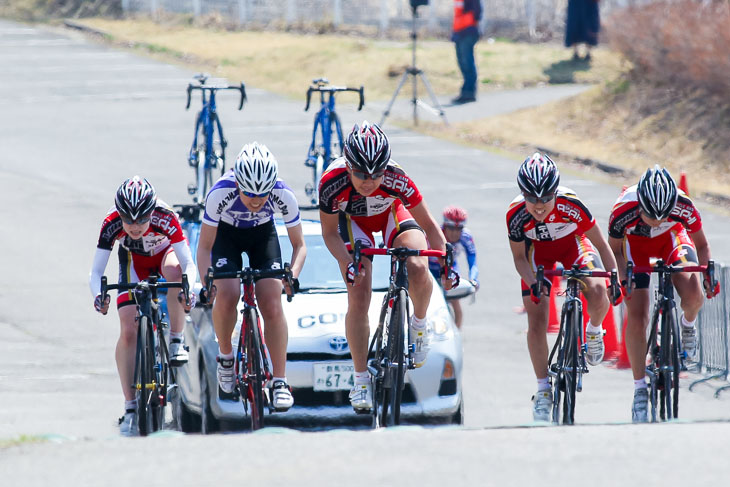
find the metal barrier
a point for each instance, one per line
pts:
(533, 15)
(713, 359)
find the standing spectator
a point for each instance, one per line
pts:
(467, 14)
(582, 26)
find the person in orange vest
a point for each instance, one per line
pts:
(467, 14)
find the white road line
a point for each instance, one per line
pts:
(41, 42)
(81, 83)
(64, 68)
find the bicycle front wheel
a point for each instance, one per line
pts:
(396, 359)
(255, 378)
(144, 374)
(573, 327)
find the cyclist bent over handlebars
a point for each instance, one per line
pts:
(362, 193)
(239, 217)
(547, 224)
(656, 219)
(150, 241)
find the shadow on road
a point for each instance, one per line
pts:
(564, 71)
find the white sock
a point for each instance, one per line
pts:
(688, 324)
(176, 335)
(130, 405)
(418, 323)
(593, 329)
(640, 384)
(225, 356)
(362, 378)
(543, 384)
(274, 379)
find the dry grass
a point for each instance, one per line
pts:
(285, 63)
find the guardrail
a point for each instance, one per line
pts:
(713, 354)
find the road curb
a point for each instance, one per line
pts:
(84, 28)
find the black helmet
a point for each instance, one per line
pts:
(367, 148)
(657, 193)
(136, 198)
(538, 176)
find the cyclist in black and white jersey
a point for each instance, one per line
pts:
(239, 217)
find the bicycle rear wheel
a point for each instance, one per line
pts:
(573, 327)
(254, 370)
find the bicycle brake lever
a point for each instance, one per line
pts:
(356, 256)
(290, 281)
(629, 277)
(540, 276)
(190, 88)
(186, 289)
(362, 98)
(243, 95)
(309, 97)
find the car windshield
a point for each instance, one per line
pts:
(320, 269)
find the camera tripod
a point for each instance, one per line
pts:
(415, 73)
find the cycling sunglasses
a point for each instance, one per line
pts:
(365, 176)
(138, 221)
(254, 195)
(538, 199)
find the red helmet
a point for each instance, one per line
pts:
(454, 216)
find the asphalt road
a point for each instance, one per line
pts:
(78, 118)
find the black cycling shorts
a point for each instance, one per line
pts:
(260, 243)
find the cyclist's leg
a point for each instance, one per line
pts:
(124, 353)
(171, 270)
(594, 291)
(225, 257)
(689, 288)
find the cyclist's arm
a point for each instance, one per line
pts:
(467, 241)
(332, 239)
(205, 246)
(596, 237)
(299, 248)
(524, 269)
(426, 221)
(616, 245)
(185, 257)
(702, 246)
(101, 258)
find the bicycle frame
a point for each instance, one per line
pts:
(570, 365)
(663, 345)
(391, 355)
(207, 122)
(252, 359)
(153, 376)
(319, 155)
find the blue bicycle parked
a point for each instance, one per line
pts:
(209, 148)
(326, 124)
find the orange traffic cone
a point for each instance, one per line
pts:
(683, 182)
(622, 362)
(554, 318)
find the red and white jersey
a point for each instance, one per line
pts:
(337, 194)
(626, 220)
(164, 231)
(568, 217)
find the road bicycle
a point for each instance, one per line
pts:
(251, 365)
(208, 150)
(569, 349)
(388, 347)
(326, 126)
(154, 379)
(666, 357)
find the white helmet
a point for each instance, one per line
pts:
(256, 169)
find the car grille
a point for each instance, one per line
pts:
(306, 396)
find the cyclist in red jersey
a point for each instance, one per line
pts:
(362, 193)
(654, 219)
(548, 224)
(150, 241)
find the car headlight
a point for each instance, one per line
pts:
(440, 323)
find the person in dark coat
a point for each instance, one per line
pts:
(467, 14)
(582, 26)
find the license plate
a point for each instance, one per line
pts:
(333, 376)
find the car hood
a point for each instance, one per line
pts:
(312, 315)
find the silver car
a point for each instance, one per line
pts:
(319, 365)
